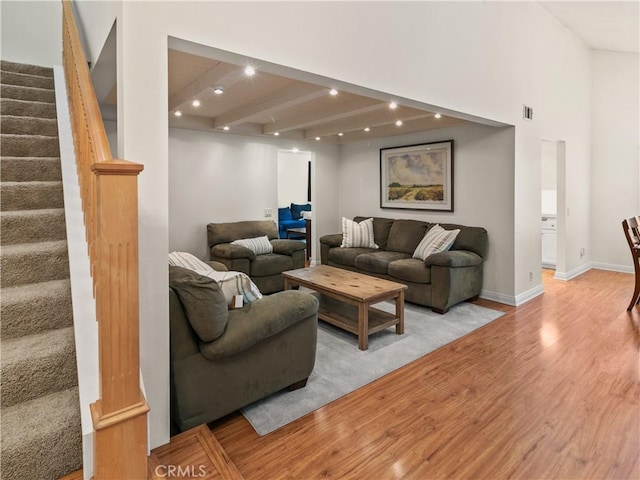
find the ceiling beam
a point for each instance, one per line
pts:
(223, 75)
(310, 119)
(334, 129)
(287, 97)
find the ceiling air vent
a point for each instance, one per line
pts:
(527, 112)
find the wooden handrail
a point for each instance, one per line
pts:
(108, 188)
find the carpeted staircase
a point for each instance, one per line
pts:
(41, 433)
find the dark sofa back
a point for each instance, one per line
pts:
(228, 232)
(405, 235)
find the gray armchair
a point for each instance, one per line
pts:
(264, 347)
(265, 270)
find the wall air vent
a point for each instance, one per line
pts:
(527, 112)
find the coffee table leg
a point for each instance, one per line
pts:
(363, 326)
(287, 285)
(400, 313)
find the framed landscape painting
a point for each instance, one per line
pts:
(417, 176)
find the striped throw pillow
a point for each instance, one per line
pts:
(356, 234)
(258, 245)
(188, 261)
(436, 240)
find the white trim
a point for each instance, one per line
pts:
(498, 297)
(84, 308)
(612, 267)
(529, 295)
(565, 276)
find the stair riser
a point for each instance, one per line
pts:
(38, 266)
(26, 80)
(7, 66)
(31, 196)
(31, 315)
(27, 228)
(35, 377)
(28, 126)
(30, 169)
(21, 108)
(28, 93)
(29, 146)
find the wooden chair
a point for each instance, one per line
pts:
(631, 227)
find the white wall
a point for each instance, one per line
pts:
(31, 32)
(293, 173)
(615, 180)
(483, 191)
(482, 58)
(217, 177)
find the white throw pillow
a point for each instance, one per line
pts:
(258, 245)
(358, 235)
(436, 240)
(231, 283)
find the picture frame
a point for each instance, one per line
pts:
(417, 177)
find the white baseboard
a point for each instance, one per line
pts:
(612, 267)
(498, 297)
(573, 273)
(529, 295)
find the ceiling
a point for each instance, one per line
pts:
(275, 105)
(608, 25)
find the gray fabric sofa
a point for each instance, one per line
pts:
(267, 345)
(265, 270)
(439, 282)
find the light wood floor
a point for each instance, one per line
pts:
(549, 390)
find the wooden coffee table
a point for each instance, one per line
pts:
(346, 298)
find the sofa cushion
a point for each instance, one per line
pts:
(377, 262)
(270, 264)
(296, 210)
(405, 235)
(410, 270)
(436, 240)
(284, 214)
(381, 229)
(256, 322)
(258, 245)
(228, 232)
(347, 256)
(204, 303)
(473, 239)
(357, 235)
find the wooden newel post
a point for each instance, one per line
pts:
(119, 416)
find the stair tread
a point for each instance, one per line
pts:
(30, 291)
(35, 137)
(39, 417)
(38, 345)
(31, 213)
(27, 248)
(4, 71)
(34, 182)
(11, 100)
(16, 67)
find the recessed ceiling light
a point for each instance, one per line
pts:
(226, 128)
(340, 134)
(437, 115)
(333, 91)
(196, 103)
(249, 71)
(218, 90)
(177, 113)
(276, 134)
(367, 129)
(393, 105)
(317, 138)
(295, 150)
(399, 123)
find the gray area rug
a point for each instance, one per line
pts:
(342, 368)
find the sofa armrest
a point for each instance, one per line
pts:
(454, 259)
(226, 250)
(287, 247)
(217, 266)
(333, 240)
(260, 320)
